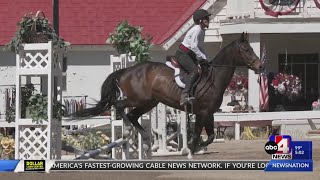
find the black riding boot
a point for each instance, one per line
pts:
(186, 96)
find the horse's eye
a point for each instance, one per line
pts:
(245, 47)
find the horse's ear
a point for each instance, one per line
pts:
(242, 38)
(246, 36)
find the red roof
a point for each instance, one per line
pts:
(89, 22)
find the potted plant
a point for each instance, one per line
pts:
(127, 39)
(287, 85)
(238, 85)
(35, 29)
(38, 108)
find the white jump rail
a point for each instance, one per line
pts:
(108, 147)
(264, 116)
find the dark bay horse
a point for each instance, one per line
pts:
(145, 85)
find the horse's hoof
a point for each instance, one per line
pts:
(190, 156)
(200, 151)
(185, 151)
(145, 147)
(126, 133)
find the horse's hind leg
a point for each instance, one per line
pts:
(134, 114)
(137, 112)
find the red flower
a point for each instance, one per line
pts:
(275, 82)
(238, 84)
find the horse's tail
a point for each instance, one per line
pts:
(109, 94)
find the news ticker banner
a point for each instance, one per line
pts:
(145, 165)
(103, 165)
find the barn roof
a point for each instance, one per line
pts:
(89, 22)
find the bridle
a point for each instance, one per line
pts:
(250, 64)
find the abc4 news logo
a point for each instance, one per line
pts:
(279, 148)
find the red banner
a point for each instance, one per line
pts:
(279, 7)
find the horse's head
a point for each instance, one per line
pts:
(248, 56)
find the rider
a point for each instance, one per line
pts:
(191, 52)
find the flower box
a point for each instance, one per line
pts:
(238, 85)
(288, 85)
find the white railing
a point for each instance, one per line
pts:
(237, 9)
(99, 120)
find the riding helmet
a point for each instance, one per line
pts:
(199, 15)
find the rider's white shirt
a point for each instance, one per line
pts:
(194, 40)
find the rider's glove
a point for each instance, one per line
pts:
(202, 62)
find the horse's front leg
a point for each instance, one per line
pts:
(209, 126)
(196, 134)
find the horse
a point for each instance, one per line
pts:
(146, 84)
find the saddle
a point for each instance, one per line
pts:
(180, 75)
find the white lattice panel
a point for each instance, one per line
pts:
(133, 143)
(117, 150)
(34, 60)
(39, 58)
(33, 142)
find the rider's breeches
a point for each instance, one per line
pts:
(186, 62)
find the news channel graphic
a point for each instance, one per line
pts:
(115, 165)
(288, 155)
(25, 165)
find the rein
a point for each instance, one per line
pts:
(250, 64)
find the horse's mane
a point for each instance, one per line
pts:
(216, 60)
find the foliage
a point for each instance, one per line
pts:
(238, 85)
(287, 85)
(6, 147)
(127, 39)
(26, 93)
(35, 29)
(87, 141)
(38, 108)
